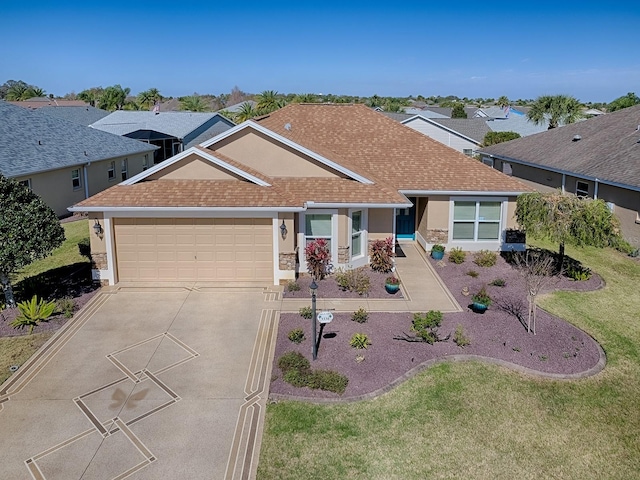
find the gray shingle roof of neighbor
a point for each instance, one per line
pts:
(85, 115)
(424, 113)
(608, 148)
(34, 143)
(175, 124)
(474, 128)
(518, 124)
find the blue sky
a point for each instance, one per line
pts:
(474, 49)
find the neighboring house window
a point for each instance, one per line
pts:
(125, 168)
(317, 226)
(487, 161)
(468, 152)
(26, 183)
(145, 162)
(75, 179)
(582, 189)
(476, 220)
(356, 234)
(506, 168)
(111, 172)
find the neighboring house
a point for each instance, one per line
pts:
(64, 162)
(243, 205)
(173, 132)
(41, 102)
(597, 158)
(84, 115)
(423, 113)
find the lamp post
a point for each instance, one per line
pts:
(313, 288)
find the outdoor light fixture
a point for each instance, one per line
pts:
(283, 230)
(97, 228)
(314, 287)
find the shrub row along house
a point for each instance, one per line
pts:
(242, 205)
(596, 158)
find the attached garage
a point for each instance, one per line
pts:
(194, 249)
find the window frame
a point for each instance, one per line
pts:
(468, 152)
(124, 169)
(361, 235)
(76, 179)
(111, 171)
(333, 238)
(477, 220)
(26, 183)
(581, 192)
(145, 162)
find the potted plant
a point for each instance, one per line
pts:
(437, 251)
(392, 284)
(481, 301)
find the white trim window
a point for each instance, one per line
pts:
(477, 220)
(76, 182)
(111, 171)
(468, 152)
(145, 162)
(26, 183)
(124, 169)
(357, 234)
(582, 189)
(318, 225)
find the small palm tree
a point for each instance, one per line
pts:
(32, 312)
(193, 103)
(556, 108)
(503, 101)
(245, 112)
(268, 101)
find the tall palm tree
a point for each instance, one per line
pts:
(556, 108)
(269, 101)
(503, 101)
(305, 98)
(17, 92)
(245, 112)
(193, 103)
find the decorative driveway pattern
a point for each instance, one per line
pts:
(145, 383)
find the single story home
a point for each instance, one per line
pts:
(598, 158)
(172, 132)
(242, 206)
(65, 162)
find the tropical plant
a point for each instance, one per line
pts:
(32, 312)
(557, 109)
(246, 112)
(29, 230)
(269, 101)
(318, 258)
(392, 280)
(305, 98)
(493, 138)
(457, 255)
(426, 326)
(91, 95)
(148, 98)
(296, 335)
(381, 257)
(360, 315)
(306, 312)
(438, 248)
(113, 98)
(193, 103)
(482, 297)
(359, 341)
(628, 100)
(503, 101)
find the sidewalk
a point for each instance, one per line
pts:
(421, 287)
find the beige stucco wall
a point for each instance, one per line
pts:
(265, 155)
(422, 214)
(380, 223)
(193, 167)
(438, 213)
(626, 208)
(510, 221)
(343, 227)
(287, 245)
(99, 176)
(56, 189)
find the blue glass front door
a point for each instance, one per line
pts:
(406, 221)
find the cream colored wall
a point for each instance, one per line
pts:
(438, 213)
(56, 189)
(422, 214)
(511, 221)
(287, 245)
(264, 155)
(193, 167)
(343, 227)
(380, 223)
(99, 176)
(98, 244)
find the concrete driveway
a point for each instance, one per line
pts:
(145, 383)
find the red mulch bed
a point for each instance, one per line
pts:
(557, 348)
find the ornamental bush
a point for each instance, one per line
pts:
(318, 257)
(382, 255)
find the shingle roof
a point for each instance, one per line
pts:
(85, 115)
(474, 128)
(371, 142)
(608, 149)
(34, 143)
(175, 124)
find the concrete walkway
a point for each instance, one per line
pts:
(421, 287)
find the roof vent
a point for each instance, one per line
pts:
(39, 142)
(576, 138)
(287, 127)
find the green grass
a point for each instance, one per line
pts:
(17, 350)
(476, 421)
(66, 254)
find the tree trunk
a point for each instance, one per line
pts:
(7, 289)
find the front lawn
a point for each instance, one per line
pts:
(476, 421)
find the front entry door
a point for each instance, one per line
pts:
(406, 221)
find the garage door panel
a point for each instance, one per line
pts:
(194, 249)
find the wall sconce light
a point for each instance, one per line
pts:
(97, 228)
(283, 230)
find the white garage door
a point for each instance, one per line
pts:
(194, 249)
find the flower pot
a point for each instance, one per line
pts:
(479, 307)
(437, 254)
(391, 288)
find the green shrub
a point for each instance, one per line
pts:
(498, 282)
(297, 378)
(472, 273)
(460, 338)
(457, 255)
(360, 315)
(328, 380)
(353, 280)
(359, 341)
(293, 286)
(438, 248)
(293, 361)
(306, 312)
(578, 272)
(66, 306)
(381, 255)
(485, 258)
(318, 257)
(296, 335)
(426, 325)
(32, 312)
(482, 297)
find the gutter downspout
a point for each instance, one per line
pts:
(595, 190)
(86, 180)
(564, 178)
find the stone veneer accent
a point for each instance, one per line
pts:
(287, 261)
(437, 236)
(99, 260)
(343, 255)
